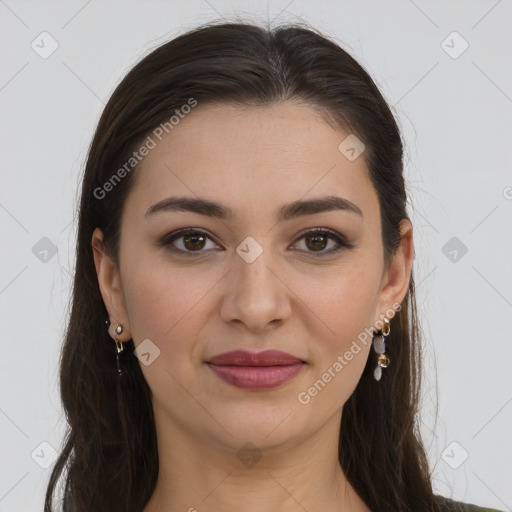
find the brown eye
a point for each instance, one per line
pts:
(317, 241)
(187, 242)
(194, 242)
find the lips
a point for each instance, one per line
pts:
(256, 371)
(265, 358)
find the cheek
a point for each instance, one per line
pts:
(166, 308)
(345, 305)
(345, 302)
(165, 304)
(151, 305)
(339, 359)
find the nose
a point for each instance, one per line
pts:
(256, 294)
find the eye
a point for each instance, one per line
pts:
(317, 240)
(191, 240)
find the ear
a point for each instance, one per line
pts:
(395, 281)
(109, 281)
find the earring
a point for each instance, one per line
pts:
(379, 346)
(119, 345)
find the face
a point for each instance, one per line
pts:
(253, 280)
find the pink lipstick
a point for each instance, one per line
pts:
(262, 370)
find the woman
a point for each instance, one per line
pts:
(243, 332)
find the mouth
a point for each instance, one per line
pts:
(256, 371)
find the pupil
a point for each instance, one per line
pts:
(316, 239)
(194, 239)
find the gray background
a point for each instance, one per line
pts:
(455, 111)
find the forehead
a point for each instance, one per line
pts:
(252, 158)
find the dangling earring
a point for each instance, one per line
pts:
(119, 345)
(379, 346)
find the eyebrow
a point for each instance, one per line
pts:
(290, 211)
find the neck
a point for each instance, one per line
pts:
(197, 474)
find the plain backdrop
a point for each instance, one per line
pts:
(444, 66)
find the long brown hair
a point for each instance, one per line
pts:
(110, 458)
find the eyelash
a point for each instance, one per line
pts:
(339, 239)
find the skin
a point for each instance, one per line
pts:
(254, 160)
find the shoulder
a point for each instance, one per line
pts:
(449, 505)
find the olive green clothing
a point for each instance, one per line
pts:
(449, 505)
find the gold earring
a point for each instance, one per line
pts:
(379, 346)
